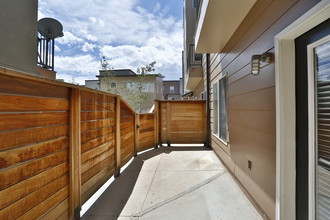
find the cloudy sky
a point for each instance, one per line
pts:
(129, 33)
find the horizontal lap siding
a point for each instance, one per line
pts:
(97, 141)
(146, 131)
(127, 133)
(34, 143)
(251, 99)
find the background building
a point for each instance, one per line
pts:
(172, 89)
(139, 91)
(93, 84)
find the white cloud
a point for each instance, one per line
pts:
(69, 39)
(159, 49)
(57, 49)
(127, 34)
(83, 67)
(88, 47)
(156, 9)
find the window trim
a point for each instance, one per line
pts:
(223, 77)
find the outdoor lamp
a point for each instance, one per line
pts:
(257, 59)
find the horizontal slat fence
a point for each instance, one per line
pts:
(182, 121)
(97, 141)
(127, 133)
(147, 131)
(34, 149)
(60, 142)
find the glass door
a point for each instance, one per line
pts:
(319, 126)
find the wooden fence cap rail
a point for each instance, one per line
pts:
(30, 76)
(182, 100)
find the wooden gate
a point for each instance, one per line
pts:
(147, 131)
(182, 121)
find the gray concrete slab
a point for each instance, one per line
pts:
(174, 183)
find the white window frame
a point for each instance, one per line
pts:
(171, 90)
(217, 135)
(285, 107)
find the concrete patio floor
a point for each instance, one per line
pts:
(173, 183)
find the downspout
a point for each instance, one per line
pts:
(208, 100)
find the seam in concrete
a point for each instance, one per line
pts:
(177, 196)
(153, 178)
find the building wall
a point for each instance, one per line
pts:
(93, 84)
(121, 89)
(175, 84)
(251, 99)
(18, 38)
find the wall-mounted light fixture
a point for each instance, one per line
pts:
(255, 62)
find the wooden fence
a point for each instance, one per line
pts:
(59, 143)
(182, 121)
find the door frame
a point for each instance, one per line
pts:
(286, 109)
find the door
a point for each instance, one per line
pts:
(319, 128)
(313, 123)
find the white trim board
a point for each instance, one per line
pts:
(285, 107)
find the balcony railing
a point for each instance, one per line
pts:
(59, 143)
(46, 49)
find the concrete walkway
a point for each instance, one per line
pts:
(173, 183)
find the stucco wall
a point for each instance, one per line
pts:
(18, 38)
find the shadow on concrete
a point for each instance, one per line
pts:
(113, 200)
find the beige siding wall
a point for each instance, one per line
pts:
(251, 99)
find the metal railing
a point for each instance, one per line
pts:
(46, 49)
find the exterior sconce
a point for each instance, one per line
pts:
(255, 62)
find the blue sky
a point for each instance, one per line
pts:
(129, 33)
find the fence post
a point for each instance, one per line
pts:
(75, 155)
(137, 133)
(117, 151)
(156, 123)
(168, 123)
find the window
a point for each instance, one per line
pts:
(203, 95)
(220, 109)
(171, 89)
(148, 87)
(215, 109)
(131, 86)
(113, 85)
(223, 109)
